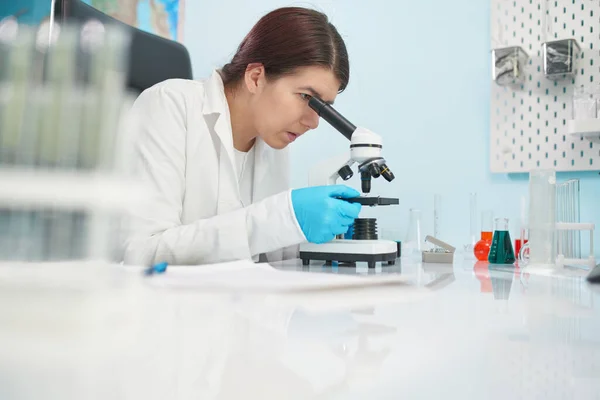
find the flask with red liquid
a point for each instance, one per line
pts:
(482, 247)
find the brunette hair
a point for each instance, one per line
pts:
(286, 39)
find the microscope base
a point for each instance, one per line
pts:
(343, 250)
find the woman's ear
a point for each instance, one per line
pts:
(254, 77)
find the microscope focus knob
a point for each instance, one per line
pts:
(345, 172)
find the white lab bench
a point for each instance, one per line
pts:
(462, 331)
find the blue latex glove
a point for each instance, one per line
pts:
(320, 212)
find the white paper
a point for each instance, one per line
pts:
(248, 276)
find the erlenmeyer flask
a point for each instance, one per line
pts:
(412, 242)
(501, 251)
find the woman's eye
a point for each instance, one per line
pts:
(305, 96)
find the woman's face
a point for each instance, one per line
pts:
(280, 107)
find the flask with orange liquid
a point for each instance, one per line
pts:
(482, 247)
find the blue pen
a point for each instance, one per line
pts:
(156, 269)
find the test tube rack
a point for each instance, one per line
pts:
(561, 260)
(63, 148)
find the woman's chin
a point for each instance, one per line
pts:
(277, 143)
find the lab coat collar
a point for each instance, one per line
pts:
(216, 110)
(215, 104)
(214, 95)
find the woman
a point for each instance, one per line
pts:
(214, 153)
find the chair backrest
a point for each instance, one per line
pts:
(152, 59)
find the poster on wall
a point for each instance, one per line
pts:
(161, 17)
(28, 12)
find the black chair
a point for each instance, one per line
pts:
(152, 59)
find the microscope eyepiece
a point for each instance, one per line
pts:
(387, 173)
(332, 116)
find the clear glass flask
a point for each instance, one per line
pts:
(412, 242)
(501, 251)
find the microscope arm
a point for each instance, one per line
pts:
(328, 171)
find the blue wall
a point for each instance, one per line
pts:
(420, 77)
(36, 10)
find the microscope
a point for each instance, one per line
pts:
(365, 150)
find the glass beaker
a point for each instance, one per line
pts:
(501, 251)
(584, 103)
(412, 241)
(482, 247)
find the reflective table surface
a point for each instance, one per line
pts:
(462, 331)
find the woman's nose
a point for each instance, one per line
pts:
(310, 119)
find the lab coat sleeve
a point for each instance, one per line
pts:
(155, 232)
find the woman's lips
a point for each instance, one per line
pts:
(291, 136)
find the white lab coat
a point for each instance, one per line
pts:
(194, 213)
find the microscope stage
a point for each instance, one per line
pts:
(374, 201)
(370, 251)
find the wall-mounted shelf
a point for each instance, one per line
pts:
(585, 128)
(529, 123)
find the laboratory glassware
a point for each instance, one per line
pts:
(482, 247)
(567, 211)
(523, 233)
(542, 217)
(412, 241)
(62, 98)
(473, 233)
(437, 203)
(584, 103)
(501, 251)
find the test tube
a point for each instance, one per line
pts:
(473, 230)
(41, 126)
(33, 223)
(523, 232)
(561, 216)
(568, 212)
(17, 43)
(437, 200)
(56, 135)
(108, 54)
(576, 217)
(15, 90)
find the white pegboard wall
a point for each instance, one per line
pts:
(529, 123)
